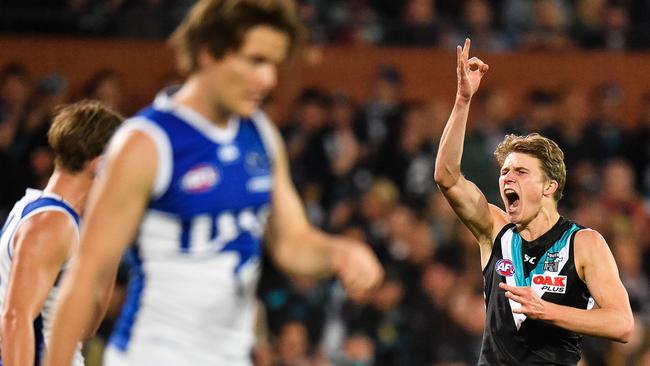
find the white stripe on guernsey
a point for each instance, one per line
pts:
(260, 184)
(267, 131)
(163, 148)
(506, 253)
(564, 254)
(208, 128)
(159, 233)
(36, 212)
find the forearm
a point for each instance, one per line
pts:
(18, 348)
(73, 316)
(450, 151)
(311, 253)
(101, 306)
(606, 323)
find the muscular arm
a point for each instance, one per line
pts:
(299, 248)
(41, 246)
(115, 207)
(465, 198)
(596, 266)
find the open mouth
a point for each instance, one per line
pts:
(512, 199)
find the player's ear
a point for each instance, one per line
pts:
(550, 187)
(204, 58)
(95, 165)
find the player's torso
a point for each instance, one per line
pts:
(33, 203)
(196, 259)
(547, 266)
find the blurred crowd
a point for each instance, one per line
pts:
(364, 169)
(494, 25)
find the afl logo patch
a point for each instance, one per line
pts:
(505, 267)
(199, 179)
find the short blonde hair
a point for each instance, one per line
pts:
(545, 150)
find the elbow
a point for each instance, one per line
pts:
(444, 178)
(625, 330)
(12, 320)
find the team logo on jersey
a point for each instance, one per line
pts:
(228, 153)
(199, 179)
(552, 262)
(505, 267)
(555, 284)
(257, 164)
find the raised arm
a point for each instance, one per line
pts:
(115, 207)
(595, 265)
(465, 198)
(41, 246)
(299, 248)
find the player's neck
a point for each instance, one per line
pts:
(540, 224)
(73, 188)
(192, 95)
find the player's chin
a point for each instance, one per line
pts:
(247, 108)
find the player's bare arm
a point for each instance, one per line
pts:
(595, 265)
(117, 200)
(466, 199)
(41, 245)
(299, 248)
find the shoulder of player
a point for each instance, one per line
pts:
(132, 138)
(264, 122)
(589, 238)
(589, 243)
(133, 147)
(272, 132)
(52, 229)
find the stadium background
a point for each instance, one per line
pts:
(361, 110)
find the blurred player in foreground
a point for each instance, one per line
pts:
(542, 272)
(196, 175)
(41, 233)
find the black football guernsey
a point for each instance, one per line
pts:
(547, 265)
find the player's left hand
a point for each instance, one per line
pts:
(531, 304)
(357, 268)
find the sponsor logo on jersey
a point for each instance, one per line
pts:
(505, 267)
(529, 259)
(555, 284)
(199, 179)
(260, 184)
(552, 262)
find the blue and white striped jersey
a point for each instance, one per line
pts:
(33, 203)
(191, 298)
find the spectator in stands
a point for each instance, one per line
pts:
(106, 86)
(549, 28)
(625, 207)
(477, 23)
(293, 345)
(605, 130)
(377, 125)
(419, 26)
(639, 149)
